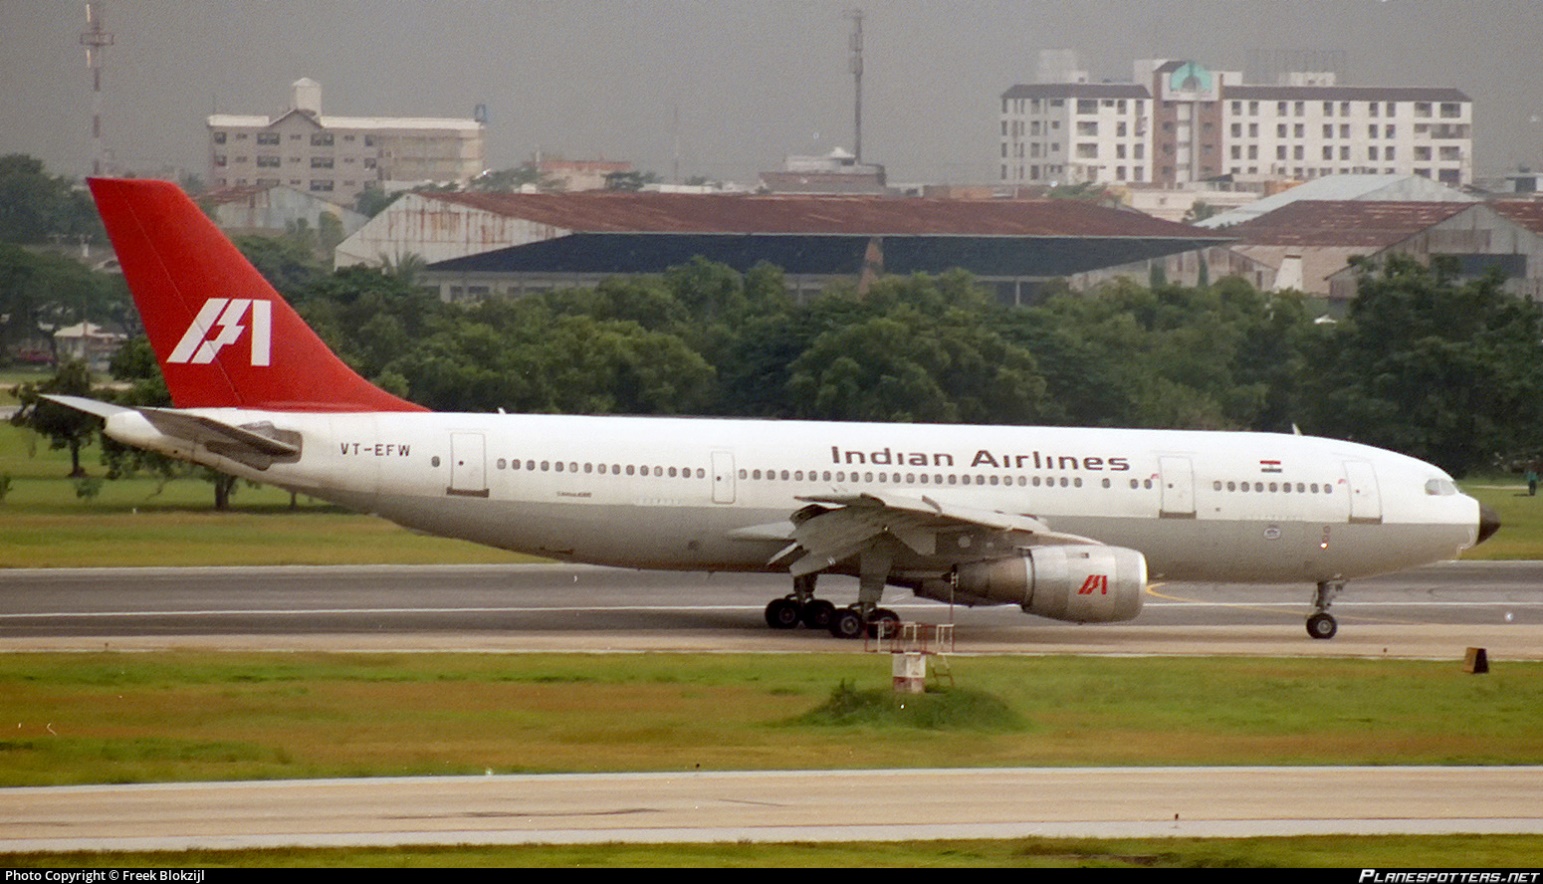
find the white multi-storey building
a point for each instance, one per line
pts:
(1182, 123)
(1068, 133)
(338, 157)
(1310, 131)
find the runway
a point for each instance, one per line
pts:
(777, 806)
(1431, 613)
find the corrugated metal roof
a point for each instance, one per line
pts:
(1527, 213)
(1344, 187)
(853, 215)
(1344, 223)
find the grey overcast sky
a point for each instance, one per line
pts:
(753, 80)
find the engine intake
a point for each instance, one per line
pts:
(1082, 584)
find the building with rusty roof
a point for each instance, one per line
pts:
(485, 245)
(1313, 242)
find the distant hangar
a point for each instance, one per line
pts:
(505, 245)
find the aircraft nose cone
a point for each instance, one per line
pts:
(1489, 523)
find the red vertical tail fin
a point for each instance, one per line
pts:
(223, 336)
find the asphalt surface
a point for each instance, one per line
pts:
(1431, 612)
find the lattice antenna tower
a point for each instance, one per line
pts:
(856, 65)
(94, 38)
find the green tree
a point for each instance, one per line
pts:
(65, 427)
(1442, 369)
(36, 206)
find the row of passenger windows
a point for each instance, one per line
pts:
(603, 469)
(885, 478)
(1280, 487)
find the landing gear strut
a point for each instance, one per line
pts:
(1321, 624)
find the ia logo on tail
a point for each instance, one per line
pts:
(220, 323)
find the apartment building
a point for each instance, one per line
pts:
(338, 157)
(1179, 122)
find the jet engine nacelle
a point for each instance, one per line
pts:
(1083, 584)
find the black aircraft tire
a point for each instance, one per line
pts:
(782, 613)
(1322, 626)
(818, 614)
(847, 623)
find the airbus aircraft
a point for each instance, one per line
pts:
(1066, 523)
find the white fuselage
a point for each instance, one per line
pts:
(672, 493)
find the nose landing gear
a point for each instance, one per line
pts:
(1321, 624)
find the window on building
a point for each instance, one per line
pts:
(321, 139)
(321, 162)
(1087, 106)
(1451, 110)
(268, 162)
(268, 138)
(219, 138)
(321, 185)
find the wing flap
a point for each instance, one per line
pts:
(837, 527)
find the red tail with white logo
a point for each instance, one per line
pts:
(223, 336)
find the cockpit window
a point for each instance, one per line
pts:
(1440, 487)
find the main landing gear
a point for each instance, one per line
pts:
(1321, 624)
(800, 606)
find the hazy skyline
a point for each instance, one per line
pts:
(753, 80)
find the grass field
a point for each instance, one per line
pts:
(121, 718)
(113, 717)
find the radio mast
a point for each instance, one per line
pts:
(856, 16)
(94, 39)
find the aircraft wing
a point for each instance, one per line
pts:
(836, 527)
(258, 446)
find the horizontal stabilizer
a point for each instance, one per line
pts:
(257, 445)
